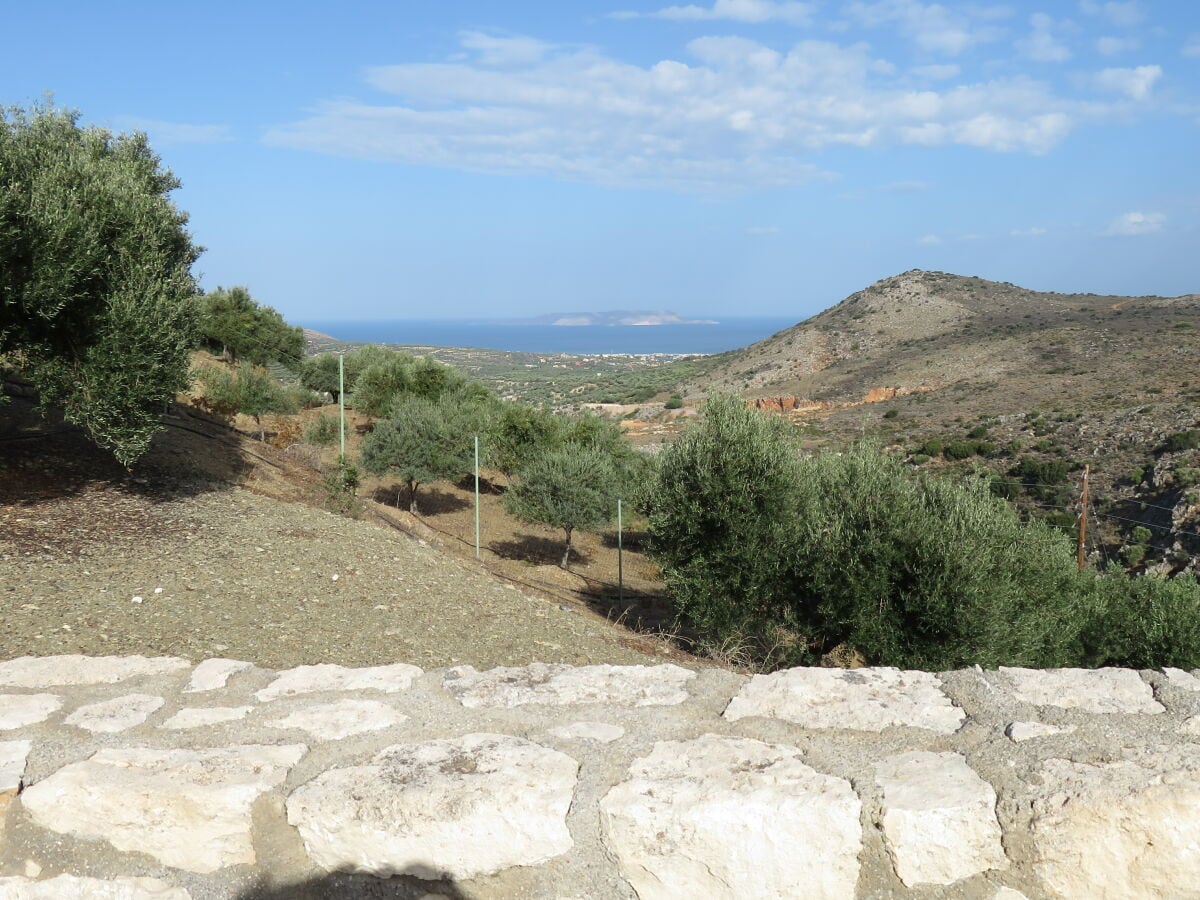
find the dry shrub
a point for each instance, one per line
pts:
(287, 431)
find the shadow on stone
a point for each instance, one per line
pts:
(341, 886)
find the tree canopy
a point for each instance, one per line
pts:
(231, 321)
(96, 293)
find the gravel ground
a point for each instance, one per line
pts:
(95, 561)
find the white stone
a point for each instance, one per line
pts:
(600, 732)
(199, 716)
(728, 817)
(186, 808)
(1129, 828)
(325, 677)
(1191, 725)
(77, 888)
(213, 674)
(1182, 679)
(1091, 690)
(939, 818)
(341, 718)
(562, 685)
(12, 764)
(856, 699)
(456, 808)
(19, 710)
(48, 671)
(1007, 893)
(1026, 731)
(117, 714)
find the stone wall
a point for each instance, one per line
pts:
(131, 777)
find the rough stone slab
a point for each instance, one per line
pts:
(1129, 828)
(19, 710)
(561, 685)
(939, 818)
(187, 808)
(213, 674)
(117, 714)
(50, 671)
(70, 886)
(1191, 725)
(12, 764)
(600, 732)
(726, 817)
(1182, 679)
(856, 699)
(341, 718)
(446, 808)
(1027, 731)
(1007, 893)
(199, 716)
(1091, 690)
(325, 677)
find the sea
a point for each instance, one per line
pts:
(726, 334)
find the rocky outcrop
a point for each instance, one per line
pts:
(134, 778)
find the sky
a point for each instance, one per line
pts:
(428, 159)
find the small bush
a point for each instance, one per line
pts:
(919, 459)
(1182, 440)
(1144, 623)
(341, 489)
(1136, 476)
(673, 402)
(891, 414)
(322, 431)
(932, 447)
(979, 431)
(958, 450)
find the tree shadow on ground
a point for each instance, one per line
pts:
(431, 501)
(340, 886)
(630, 540)
(486, 485)
(540, 551)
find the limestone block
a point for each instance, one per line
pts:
(76, 888)
(62, 886)
(600, 732)
(117, 714)
(727, 817)
(48, 671)
(212, 674)
(12, 764)
(939, 818)
(186, 808)
(562, 685)
(340, 719)
(1007, 893)
(1182, 679)
(1191, 725)
(325, 677)
(1121, 829)
(1027, 731)
(199, 716)
(19, 710)
(445, 808)
(1091, 690)
(857, 699)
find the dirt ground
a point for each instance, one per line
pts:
(215, 545)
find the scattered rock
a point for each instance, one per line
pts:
(19, 710)
(117, 714)
(1092, 690)
(857, 699)
(1026, 731)
(939, 818)
(324, 677)
(49, 671)
(562, 685)
(63, 886)
(341, 718)
(212, 674)
(600, 732)
(447, 808)
(186, 808)
(1182, 679)
(725, 817)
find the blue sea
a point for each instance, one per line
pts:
(728, 334)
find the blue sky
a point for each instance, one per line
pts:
(731, 157)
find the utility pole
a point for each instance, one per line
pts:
(620, 558)
(342, 404)
(1080, 553)
(477, 496)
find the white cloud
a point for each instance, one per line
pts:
(906, 187)
(1114, 46)
(1192, 47)
(731, 114)
(1135, 223)
(1041, 45)
(931, 240)
(1123, 14)
(1133, 83)
(1028, 232)
(751, 11)
(931, 26)
(763, 229)
(936, 72)
(166, 133)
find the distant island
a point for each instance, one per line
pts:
(616, 317)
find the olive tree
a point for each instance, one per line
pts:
(230, 320)
(97, 301)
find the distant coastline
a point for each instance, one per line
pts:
(582, 339)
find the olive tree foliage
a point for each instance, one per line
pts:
(97, 300)
(573, 488)
(246, 391)
(422, 441)
(241, 329)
